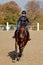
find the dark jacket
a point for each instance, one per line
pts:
(23, 20)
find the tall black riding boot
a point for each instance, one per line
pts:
(15, 33)
(28, 36)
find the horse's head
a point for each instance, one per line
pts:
(22, 32)
(21, 36)
(22, 29)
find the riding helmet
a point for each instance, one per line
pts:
(24, 12)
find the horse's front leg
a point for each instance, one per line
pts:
(20, 50)
(15, 54)
(15, 46)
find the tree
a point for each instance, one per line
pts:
(11, 12)
(33, 10)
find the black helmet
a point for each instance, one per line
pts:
(23, 12)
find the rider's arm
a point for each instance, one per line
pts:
(18, 21)
(27, 20)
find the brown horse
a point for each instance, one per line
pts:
(21, 39)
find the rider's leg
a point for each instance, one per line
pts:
(17, 30)
(18, 27)
(27, 28)
(28, 35)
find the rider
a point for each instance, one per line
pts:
(23, 19)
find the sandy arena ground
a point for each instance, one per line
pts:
(32, 54)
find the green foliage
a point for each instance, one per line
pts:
(9, 13)
(34, 13)
(10, 18)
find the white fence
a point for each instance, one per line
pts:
(7, 27)
(37, 26)
(34, 26)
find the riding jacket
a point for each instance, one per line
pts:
(23, 20)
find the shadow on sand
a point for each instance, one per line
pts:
(14, 55)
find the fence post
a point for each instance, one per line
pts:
(37, 26)
(7, 27)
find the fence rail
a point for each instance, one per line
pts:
(34, 26)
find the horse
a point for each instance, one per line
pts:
(21, 39)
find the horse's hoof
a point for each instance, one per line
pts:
(13, 37)
(19, 55)
(13, 61)
(29, 39)
(18, 59)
